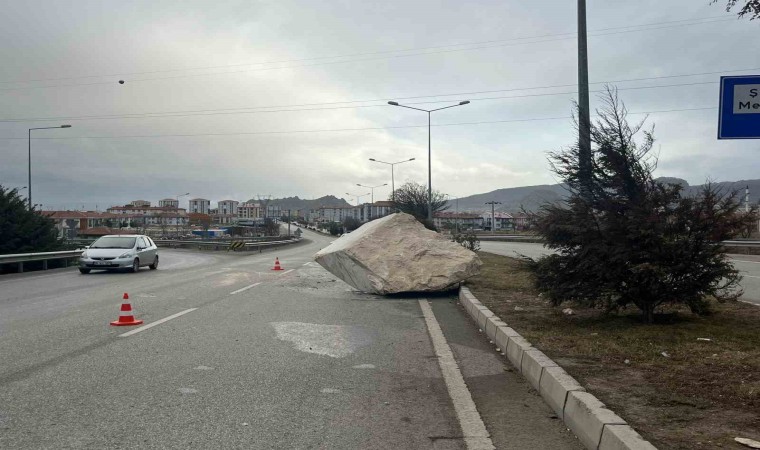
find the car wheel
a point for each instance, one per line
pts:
(154, 266)
(135, 265)
(84, 271)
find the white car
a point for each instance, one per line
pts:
(120, 252)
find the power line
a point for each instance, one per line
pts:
(500, 43)
(328, 105)
(253, 133)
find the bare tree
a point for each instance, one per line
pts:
(751, 8)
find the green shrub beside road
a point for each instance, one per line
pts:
(22, 230)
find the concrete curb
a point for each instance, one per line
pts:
(597, 427)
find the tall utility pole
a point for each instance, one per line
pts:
(584, 115)
(493, 215)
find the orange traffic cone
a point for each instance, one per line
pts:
(126, 316)
(277, 264)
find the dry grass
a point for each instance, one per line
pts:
(702, 395)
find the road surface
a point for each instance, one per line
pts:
(234, 355)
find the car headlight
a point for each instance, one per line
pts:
(84, 255)
(125, 255)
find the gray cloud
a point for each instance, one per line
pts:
(143, 42)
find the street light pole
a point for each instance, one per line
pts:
(178, 196)
(357, 196)
(393, 182)
(30, 158)
(430, 162)
(493, 215)
(584, 114)
(372, 193)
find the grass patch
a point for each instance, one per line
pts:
(701, 395)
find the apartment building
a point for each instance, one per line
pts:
(501, 221)
(71, 224)
(461, 221)
(199, 206)
(169, 203)
(249, 211)
(150, 215)
(139, 203)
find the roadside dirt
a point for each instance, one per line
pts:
(684, 382)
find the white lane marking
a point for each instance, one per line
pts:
(287, 271)
(158, 322)
(750, 276)
(364, 366)
(745, 261)
(473, 429)
(244, 289)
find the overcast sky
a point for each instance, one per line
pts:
(234, 99)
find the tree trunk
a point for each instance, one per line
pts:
(648, 313)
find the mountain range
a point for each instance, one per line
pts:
(517, 198)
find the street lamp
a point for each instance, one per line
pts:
(372, 193)
(357, 196)
(393, 182)
(30, 158)
(178, 196)
(493, 216)
(430, 182)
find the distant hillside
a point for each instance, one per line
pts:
(532, 197)
(512, 199)
(295, 203)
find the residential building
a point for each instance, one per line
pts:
(522, 221)
(169, 203)
(225, 213)
(71, 224)
(228, 207)
(150, 215)
(139, 203)
(502, 221)
(453, 220)
(369, 211)
(273, 212)
(325, 214)
(248, 211)
(199, 206)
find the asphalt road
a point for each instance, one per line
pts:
(748, 265)
(248, 358)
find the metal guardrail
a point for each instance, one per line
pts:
(222, 245)
(21, 258)
(66, 255)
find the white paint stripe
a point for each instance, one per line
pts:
(244, 289)
(750, 276)
(748, 302)
(745, 261)
(473, 429)
(158, 322)
(287, 271)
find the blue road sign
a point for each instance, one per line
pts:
(739, 107)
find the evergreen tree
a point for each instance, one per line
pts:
(623, 238)
(22, 230)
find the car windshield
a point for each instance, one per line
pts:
(114, 242)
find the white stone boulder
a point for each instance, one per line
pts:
(398, 254)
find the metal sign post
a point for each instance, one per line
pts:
(739, 107)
